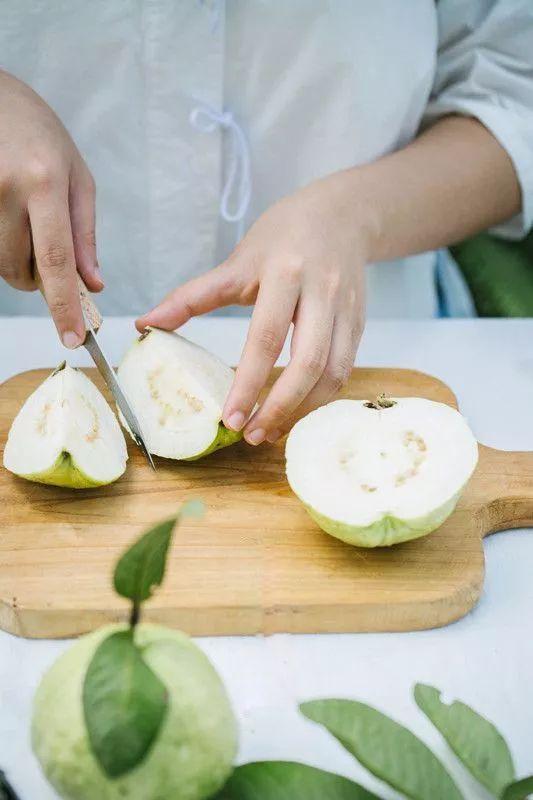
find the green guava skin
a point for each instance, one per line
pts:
(65, 472)
(224, 438)
(388, 530)
(193, 754)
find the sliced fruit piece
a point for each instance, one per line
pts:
(65, 434)
(381, 472)
(177, 390)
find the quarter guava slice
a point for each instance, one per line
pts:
(177, 390)
(378, 473)
(65, 434)
(195, 748)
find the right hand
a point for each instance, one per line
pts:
(47, 216)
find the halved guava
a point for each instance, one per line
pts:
(379, 473)
(65, 434)
(177, 390)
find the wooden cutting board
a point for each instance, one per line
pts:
(256, 563)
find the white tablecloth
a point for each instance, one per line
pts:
(485, 659)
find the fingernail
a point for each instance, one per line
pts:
(273, 436)
(235, 421)
(98, 274)
(255, 437)
(71, 339)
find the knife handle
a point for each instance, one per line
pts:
(91, 315)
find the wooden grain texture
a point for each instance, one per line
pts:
(256, 563)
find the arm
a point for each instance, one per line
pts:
(304, 259)
(451, 182)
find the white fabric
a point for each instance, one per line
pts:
(485, 70)
(315, 86)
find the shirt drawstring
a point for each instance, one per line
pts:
(215, 8)
(238, 182)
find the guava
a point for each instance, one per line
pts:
(378, 473)
(65, 434)
(193, 753)
(177, 390)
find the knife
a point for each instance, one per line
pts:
(93, 320)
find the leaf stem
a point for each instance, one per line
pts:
(135, 614)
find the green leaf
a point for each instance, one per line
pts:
(390, 751)
(142, 567)
(519, 790)
(287, 780)
(6, 790)
(124, 704)
(473, 739)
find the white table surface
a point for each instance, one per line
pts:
(485, 659)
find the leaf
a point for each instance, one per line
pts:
(473, 739)
(390, 751)
(142, 567)
(124, 704)
(519, 790)
(287, 780)
(6, 790)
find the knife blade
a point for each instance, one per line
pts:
(108, 374)
(93, 321)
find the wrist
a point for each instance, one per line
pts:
(352, 197)
(368, 210)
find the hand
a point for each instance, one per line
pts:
(46, 207)
(303, 262)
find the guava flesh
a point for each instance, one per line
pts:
(177, 390)
(66, 435)
(379, 473)
(193, 754)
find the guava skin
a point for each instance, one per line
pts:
(66, 473)
(193, 754)
(388, 530)
(224, 438)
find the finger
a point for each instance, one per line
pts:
(312, 339)
(54, 257)
(344, 343)
(273, 313)
(82, 218)
(217, 288)
(15, 250)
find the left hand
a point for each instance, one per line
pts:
(302, 261)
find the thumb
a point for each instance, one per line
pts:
(217, 288)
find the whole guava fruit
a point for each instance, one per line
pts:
(193, 754)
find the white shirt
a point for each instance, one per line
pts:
(314, 86)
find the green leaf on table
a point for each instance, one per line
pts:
(124, 704)
(6, 790)
(142, 567)
(287, 780)
(520, 790)
(390, 751)
(473, 739)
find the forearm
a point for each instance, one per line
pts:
(454, 180)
